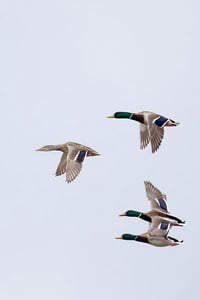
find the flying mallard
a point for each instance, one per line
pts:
(72, 158)
(152, 240)
(151, 126)
(159, 207)
(157, 234)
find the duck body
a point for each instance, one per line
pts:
(157, 241)
(71, 159)
(159, 207)
(151, 126)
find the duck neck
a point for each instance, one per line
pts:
(142, 239)
(137, 117)
(132, 237)
(138, 214)
(145, 217)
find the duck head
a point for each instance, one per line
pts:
(127, 236)
(121, 115)
(130, 213)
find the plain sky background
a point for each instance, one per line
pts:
(65, 66)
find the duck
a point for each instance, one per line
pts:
(156, 235)
(151, 126)
(71, 159)
(152, 240)
(159, 207)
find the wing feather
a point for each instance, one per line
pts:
(157, 199)
(61, 169)
(156, 136)
(144, 136)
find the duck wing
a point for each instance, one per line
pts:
(158, 200)
(159, 227)
(156, 133)
(61, 169)
(74, 162)
(154, 130)
(156, 136)
(144, 136)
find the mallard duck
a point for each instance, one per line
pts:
(159, 207)
(151, 126)
(72, 158)
(152, 240)
(157, 234)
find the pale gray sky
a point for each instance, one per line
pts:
(65, 66)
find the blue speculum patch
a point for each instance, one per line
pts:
(162, 204)
(164, 226)
(161, 121)
(81, 156)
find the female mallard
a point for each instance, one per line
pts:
(72, 158)
(159, 207)
(151, 126)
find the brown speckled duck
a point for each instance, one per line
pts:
(72, 158)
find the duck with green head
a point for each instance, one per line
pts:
(159, 207)
(151, 126)
(156, 235)
(152, 240)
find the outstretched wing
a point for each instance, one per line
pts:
(156, 131)
(156, 136)
(61, 169)
(144, 136)
(157, 200)
(74, 163)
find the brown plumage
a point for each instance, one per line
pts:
(72, 158)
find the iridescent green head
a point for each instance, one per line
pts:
(127, 236)
(131, 213)
(121, 115)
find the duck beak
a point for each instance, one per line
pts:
(122, 214)
(112, 116)
(119, 237)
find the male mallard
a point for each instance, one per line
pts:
(152, 240)
(159, 207)
(72, 158)
(157, 234)
(151, 126)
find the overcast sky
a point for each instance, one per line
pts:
(65, 66)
